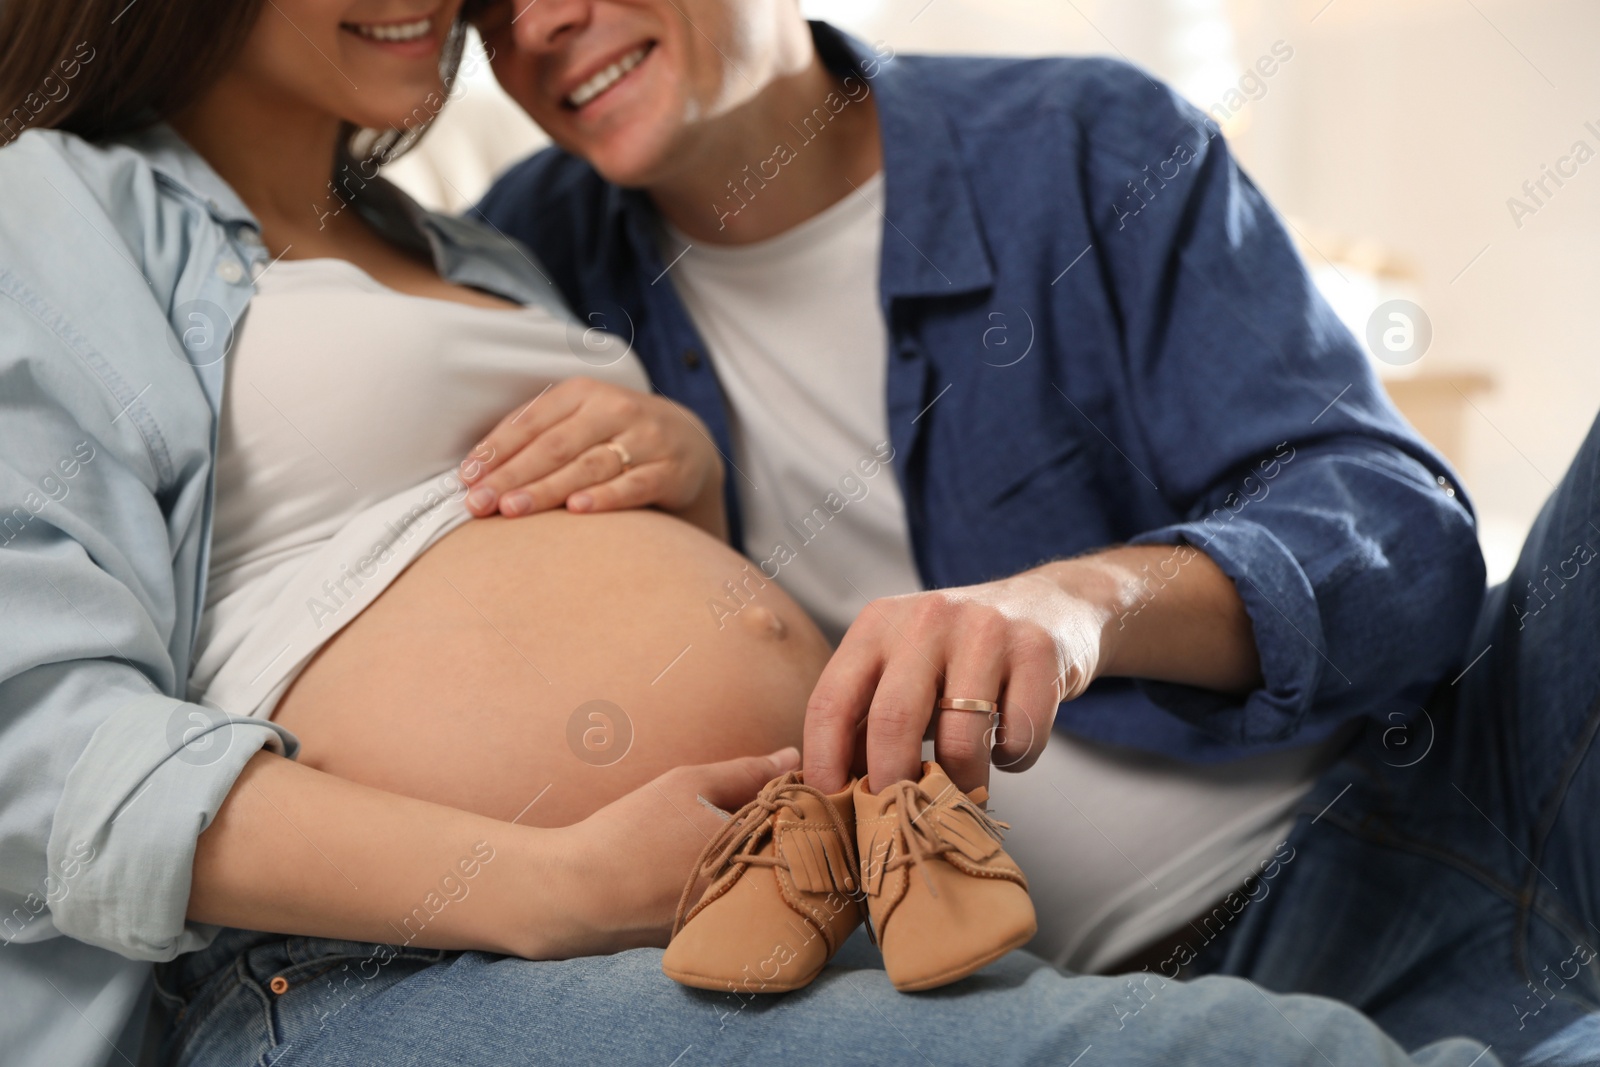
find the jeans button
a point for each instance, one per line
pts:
(279, 985)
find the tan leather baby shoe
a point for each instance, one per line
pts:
(783, 895)
(945, 898)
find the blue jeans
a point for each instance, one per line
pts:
(1445, 880)
(1447, 873)
(341, 1008)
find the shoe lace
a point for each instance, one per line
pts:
(736, 844)
(924, 838)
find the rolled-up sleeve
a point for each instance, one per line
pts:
(1267, 432)
(107, 777)
(1361, 578)
(135, 801)
(1282, 606)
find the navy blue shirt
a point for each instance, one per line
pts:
(1119, 344)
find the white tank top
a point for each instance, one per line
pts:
(347, 410)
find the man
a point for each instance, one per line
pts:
(1087, 329)
(1045, 296)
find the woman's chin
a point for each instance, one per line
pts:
(412, 120)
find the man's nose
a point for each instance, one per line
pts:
(544, 25)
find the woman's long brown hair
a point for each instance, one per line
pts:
(102, 68)
(99, 68)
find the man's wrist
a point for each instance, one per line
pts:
(1167, 613)
(1102, 584)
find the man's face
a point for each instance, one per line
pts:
(635, 86)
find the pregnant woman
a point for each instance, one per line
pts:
(239, 375)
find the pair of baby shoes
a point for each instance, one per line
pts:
(796, 870)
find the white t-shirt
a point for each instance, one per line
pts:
(797, 337)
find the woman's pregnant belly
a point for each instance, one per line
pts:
(536, 669)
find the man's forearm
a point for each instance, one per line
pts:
(1169, 614)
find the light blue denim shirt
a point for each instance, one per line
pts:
(123, 268)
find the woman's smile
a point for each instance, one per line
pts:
(414, 37)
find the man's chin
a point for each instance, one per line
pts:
(622, 163)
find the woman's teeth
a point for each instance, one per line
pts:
(394, 31)
(607, 78)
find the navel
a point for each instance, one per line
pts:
(763, 622)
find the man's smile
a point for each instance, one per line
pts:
(600, 81)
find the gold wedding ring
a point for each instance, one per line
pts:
(987, 707)
(622, 454)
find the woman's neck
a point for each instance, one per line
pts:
(276, 154)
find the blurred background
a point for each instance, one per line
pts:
(1444, 152)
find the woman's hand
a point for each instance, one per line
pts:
(593, 446)
(629, 860)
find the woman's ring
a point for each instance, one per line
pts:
(622, 454)
(988, 707)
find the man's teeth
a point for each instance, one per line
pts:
(396, 31)
(606, 78)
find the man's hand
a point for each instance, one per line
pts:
(566, 447)
(1026, 643)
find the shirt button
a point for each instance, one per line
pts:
(908, 352)
(249, 238)
(1444, 483)
(230, 271)
(691, 358)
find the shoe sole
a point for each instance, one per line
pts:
(955, 974)
(725, 985)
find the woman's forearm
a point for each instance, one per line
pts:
(298, 851)
(294, 850)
